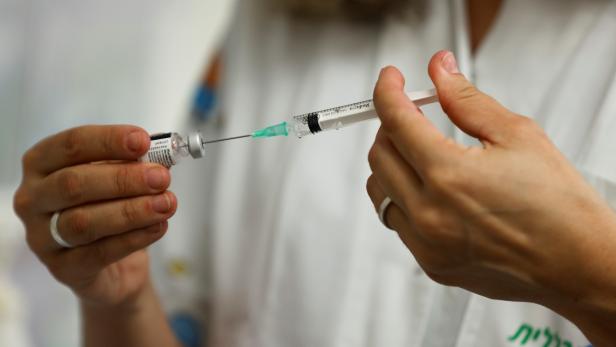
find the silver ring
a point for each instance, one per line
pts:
(383, 210)
(53, 227)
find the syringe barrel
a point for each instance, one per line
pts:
(332, 118)
(339, 118)
(343, 116)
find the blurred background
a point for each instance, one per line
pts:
(65, 63)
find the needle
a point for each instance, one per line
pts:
(226, 139)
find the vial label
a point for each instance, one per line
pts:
(161, 151)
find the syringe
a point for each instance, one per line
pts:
(336, 117)
(167, 149)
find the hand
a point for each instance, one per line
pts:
(111, 207)
(509, 220)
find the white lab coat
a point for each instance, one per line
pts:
(296, 255)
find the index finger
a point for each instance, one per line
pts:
(415, 137)
(87, 144)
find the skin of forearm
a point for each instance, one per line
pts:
(138, 324)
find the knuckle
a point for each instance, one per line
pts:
(462, 95)
(22, 202)
(370, 186)
(370, 183)
(73, 143)
(467, 92)
(432, 175)
(428, 218)
(525, 127)
(522, 128)
(373, 155)
(70, 185)
(441, 179)
(28, 160)
(122, 180)
(522, 124)
(108, 140)
(451, 177)
(130, 212)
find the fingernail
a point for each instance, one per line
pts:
(155, 178)
(135, 141)
(450, 64)
(161, 204)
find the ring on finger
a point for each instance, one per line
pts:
(55, 234)
(383, 210)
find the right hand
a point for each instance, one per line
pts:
(112, 208)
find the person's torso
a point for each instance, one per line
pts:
(299, 257)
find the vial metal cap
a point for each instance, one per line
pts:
(196, 148)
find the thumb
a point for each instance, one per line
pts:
(474, 112)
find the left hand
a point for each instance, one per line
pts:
(509, 220)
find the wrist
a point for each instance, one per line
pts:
(132, 304)
(596, 324)
(587, 293)
(139, 321)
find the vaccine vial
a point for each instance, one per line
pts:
(167, 149)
